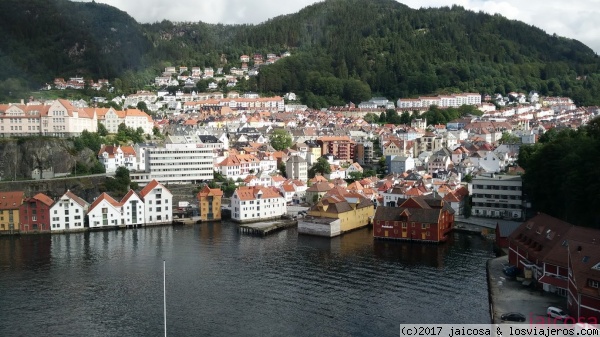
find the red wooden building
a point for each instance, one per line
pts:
(541, 245)
(424, 219)
(584, 281)
(34, 213)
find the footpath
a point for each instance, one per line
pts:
(509, 295)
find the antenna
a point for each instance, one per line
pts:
(165, 294)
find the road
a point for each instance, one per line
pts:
(483, 222)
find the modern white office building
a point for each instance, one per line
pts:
(176, 164)
(497, 196)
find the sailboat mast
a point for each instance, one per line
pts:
(165, 294)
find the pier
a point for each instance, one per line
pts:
(266, 228)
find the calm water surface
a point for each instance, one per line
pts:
(223, 283)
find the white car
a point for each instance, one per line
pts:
(556, 313)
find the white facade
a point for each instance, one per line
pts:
(132, 210)
(104, 212)
(497, 196)
(257, 203)
(68, 213)
(297, 168)
(158, 200)
(176, 163)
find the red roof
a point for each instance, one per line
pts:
(151, 185)
(11, 200)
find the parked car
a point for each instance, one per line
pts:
(513, 317)
(511, 271)
(556, 313)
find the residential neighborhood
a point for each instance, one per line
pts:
(409, 182)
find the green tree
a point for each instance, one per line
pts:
(509, 138)
(102, 131)
(321, 166)
(281, 140)
(282, 169)
(120, 183)
(143, 107)
(354, 176)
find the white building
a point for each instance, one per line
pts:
(68, 213)
(257, 203)
(132, 210)
(104, 212)
(176, 163)
(296, 168)
(114, 156)
(158, 200)
(58, 119)
(132, 118)
(238, 166)
(497, 196)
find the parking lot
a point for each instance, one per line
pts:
(509, 295)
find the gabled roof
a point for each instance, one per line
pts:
(11, 200)
(151, 185)
(207, 191)
(44, 199)
(129, 194)
(252, 192)
(584, 265)
(104, 196)
(75, 198)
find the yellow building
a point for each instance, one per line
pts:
(9, 210)
(352, 209)
(209, 200)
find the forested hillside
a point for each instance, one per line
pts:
(342, 50)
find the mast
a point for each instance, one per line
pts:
(165, 294)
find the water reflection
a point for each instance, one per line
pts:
(220, 281)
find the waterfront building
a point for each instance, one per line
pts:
(68, 213)
(584, 281)
(257, 203)
(132, 210)
(34, 213)
(104, 212)
(9, 210)
(349, 210)
(157, 201)
(497, 196)
(540, 247)
(427, 219)
(209, 203)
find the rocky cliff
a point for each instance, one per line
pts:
(19, 158)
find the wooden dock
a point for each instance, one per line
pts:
(266, 228)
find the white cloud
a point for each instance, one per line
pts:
(573, 19)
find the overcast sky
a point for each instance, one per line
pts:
(576, 19)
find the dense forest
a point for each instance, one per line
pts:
(561, 174)
(342, 51)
